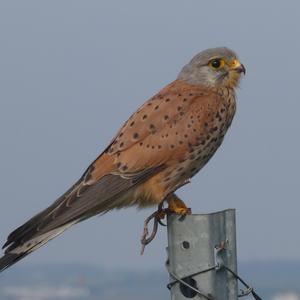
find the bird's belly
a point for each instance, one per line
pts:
(193, 161)
(187, 160)
(178, 172)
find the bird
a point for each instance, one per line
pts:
(157, 150)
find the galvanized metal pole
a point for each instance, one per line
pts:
(198, 247)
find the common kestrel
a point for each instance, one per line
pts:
(161, 146)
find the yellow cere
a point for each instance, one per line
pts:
(234, 64)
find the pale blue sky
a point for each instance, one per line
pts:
(72, 71)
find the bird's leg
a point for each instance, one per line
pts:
(177, 206)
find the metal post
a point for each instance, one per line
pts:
(198, 248)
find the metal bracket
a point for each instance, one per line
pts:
(218, 250)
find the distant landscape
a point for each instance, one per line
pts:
(272, 281)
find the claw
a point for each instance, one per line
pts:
(177, 206)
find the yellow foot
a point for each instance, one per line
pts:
(177, 206)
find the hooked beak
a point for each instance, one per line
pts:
(237, 67)
(240, 69)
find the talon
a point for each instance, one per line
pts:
(183, 211)
(177, 206)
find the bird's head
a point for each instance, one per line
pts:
(216, 67)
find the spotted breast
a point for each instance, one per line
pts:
(181, 131)
(204, 124)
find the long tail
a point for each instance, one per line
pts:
(29, 246)
(82, 201)
(8, 260)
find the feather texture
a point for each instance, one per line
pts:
(161, 146)
(77, 204)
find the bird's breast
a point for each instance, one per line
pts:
(205, 126)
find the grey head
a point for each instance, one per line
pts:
(215, 67)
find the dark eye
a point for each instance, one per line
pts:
(217, 63)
